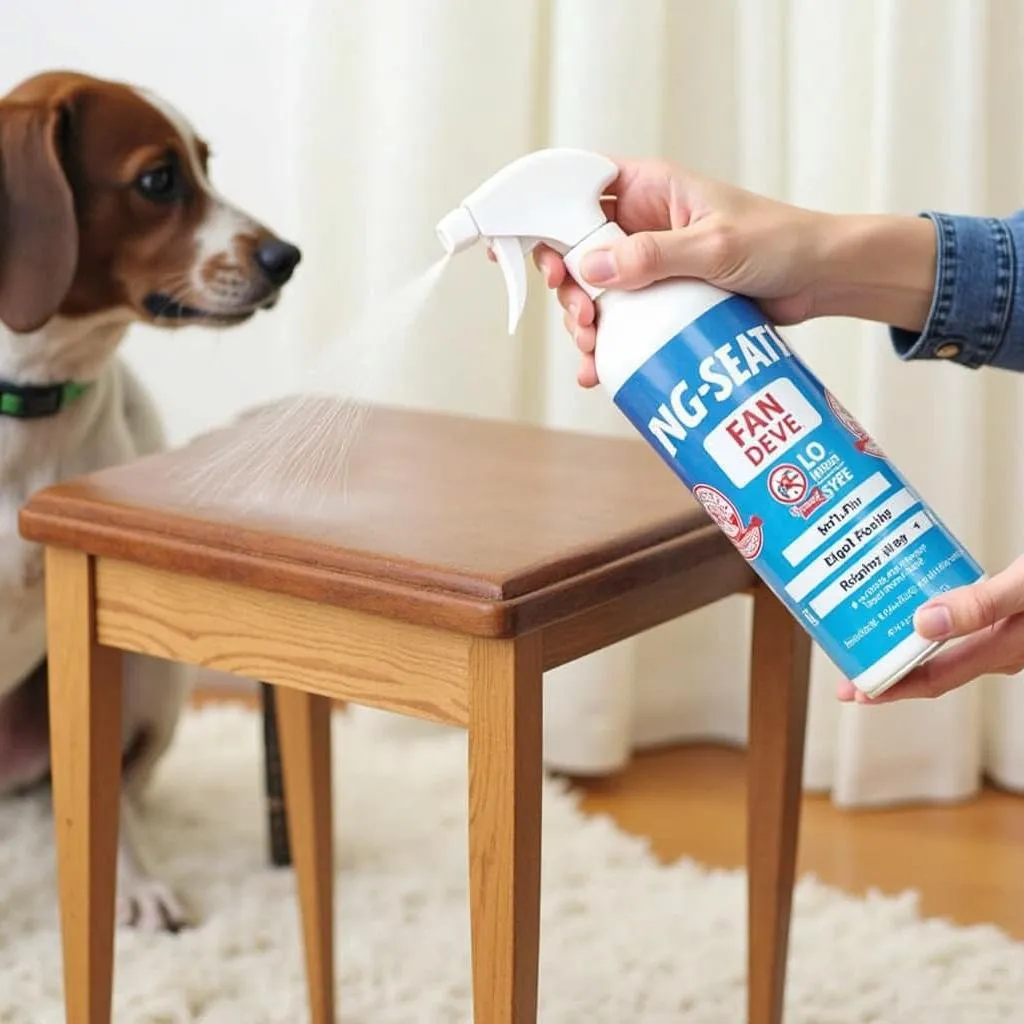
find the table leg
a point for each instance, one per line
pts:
(505, 777)
(85, 750)
(273, 784)
(779, 676)
(304, 730)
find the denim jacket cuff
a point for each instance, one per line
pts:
(970, 317)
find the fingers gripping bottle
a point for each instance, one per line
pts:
(785, 471)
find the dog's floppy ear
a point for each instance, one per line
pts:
(38, 230)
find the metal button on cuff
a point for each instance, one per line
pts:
(948, 350)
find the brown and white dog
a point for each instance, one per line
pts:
(107, 218)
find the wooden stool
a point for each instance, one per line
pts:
(467, 557)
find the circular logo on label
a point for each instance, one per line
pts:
(787, 484)
(863, 442)
(748, 539)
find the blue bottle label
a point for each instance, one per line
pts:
(795, 482)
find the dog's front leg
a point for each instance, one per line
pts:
(154, 693)
(143, 901)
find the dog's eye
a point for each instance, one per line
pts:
(161, 184)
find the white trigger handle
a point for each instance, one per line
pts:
(511, 255)
(551, 195)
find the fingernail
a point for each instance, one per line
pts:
(934, 623)
(598, 267)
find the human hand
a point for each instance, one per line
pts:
(682, 225)
(796, 263)
(988, 615)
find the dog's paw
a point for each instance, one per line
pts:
(150, 906)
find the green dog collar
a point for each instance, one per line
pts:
(34, 401)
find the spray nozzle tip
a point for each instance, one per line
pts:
(457, 230)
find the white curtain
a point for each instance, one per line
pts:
(856, 105)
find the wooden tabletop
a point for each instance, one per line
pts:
(478, 525)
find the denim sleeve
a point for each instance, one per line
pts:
(977, 311)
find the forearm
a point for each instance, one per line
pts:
(877, 267)
(949, 287)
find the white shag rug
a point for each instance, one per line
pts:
(624, 939)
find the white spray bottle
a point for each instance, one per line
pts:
(784, 470)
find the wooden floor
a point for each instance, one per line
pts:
(966, 861)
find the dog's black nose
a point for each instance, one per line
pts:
(277, 259)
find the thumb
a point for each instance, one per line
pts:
(641, 259)
(978, 606)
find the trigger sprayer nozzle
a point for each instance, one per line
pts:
(457, 230)
(551, 196)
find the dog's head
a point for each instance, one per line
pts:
(105, 205)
